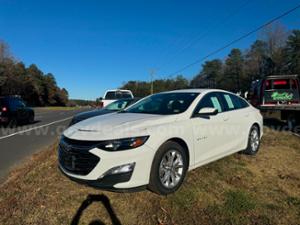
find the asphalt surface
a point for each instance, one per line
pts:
(19, 143)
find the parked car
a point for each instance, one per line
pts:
(278, 97)
(110, 108)
(13, 111)
(154, 142)
(113, 95)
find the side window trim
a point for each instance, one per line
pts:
(222, 99)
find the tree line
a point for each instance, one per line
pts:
(81, 102)
(34, 86)
(143, 88)
(275, 52)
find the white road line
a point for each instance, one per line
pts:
(298, 135)
(34, 128)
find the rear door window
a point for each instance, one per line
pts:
(229, 102)
(110, 95)
(233, 102)
(243, 103)
(126, 94)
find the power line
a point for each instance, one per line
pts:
(235, 41)
(190, 43)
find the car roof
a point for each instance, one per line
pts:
(118, 90)
(194, 90)
(8, 97)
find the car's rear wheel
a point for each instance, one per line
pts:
(31, 118)
(253, 141)
(291, 122)
(168, 168)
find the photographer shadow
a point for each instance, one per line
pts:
(90, 200)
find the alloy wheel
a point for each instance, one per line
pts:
(254, 140)
(171, 169)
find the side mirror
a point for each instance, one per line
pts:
(207, 112)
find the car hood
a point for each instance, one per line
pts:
(89, 114)
(116, 125)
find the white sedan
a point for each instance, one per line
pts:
(154, 142)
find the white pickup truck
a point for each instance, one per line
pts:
(113, 95)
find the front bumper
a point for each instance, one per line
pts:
(107, 182)
(139, 177)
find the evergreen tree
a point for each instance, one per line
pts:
(234, 71)
(292, 52)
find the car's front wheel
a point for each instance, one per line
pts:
(168, 168)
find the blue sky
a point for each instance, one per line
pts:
(91, 46)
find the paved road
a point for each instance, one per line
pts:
(17, 144)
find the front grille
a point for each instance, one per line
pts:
(74, 156)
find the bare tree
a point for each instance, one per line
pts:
(4, 51)
(275, 36)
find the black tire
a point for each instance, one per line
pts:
(250, 150)
(155, 183)
(291, 122)
(13, 123)
(30, 118)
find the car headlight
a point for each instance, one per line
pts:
(123, 144)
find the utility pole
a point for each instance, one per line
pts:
(152, 71)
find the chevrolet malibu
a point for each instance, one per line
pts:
(153, 143)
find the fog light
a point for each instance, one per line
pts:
(120, 169)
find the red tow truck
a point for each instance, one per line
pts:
(278, 96)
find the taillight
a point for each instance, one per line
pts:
(101, 104)
(280, 82)
(4, 109)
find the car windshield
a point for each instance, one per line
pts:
(164, 103)
(118, 105)
(111, 95)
